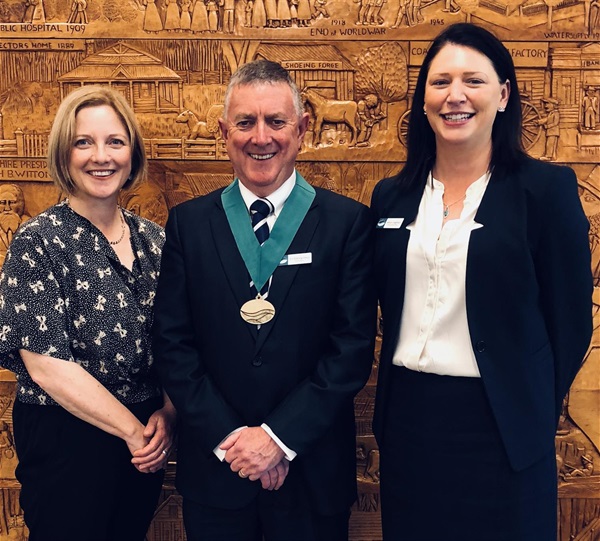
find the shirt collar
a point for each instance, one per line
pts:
(474, 191)
(277, 198)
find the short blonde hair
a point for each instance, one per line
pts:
(62, 134)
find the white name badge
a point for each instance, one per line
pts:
(296, 259)
(389, 223)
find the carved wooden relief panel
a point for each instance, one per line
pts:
(356, 62)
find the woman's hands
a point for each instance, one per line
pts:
(86, 398)
(151, 448)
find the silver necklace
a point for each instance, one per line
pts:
(447, 207)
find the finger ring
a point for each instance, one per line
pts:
(242, 474)
(164, 452)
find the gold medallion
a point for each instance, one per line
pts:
(257, 311)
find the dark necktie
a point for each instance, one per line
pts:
(259, 210)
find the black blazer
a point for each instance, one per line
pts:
(528, 295)
(298, 375)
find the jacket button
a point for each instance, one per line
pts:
(480, 346)
(257, 361)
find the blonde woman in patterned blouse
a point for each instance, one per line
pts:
(92, 427)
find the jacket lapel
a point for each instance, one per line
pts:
(499, 205)
(391, 250)
(283, 281)
(499, 212)
(492, 205)
(403, 205)
(232, 263)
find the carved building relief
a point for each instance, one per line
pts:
(356, 62)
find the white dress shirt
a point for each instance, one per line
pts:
(434, 332)
(277, 199)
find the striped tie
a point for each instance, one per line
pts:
(259, 210)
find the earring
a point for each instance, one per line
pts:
(424, 111)
(501, 109)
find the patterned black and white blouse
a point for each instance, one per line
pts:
(64, 293)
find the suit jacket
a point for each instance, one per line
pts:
(528, 296)
(298, 374)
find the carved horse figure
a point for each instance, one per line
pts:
(207, 129)
(335, 111)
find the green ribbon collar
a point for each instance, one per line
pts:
(261, 261)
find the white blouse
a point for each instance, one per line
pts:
(434, 332)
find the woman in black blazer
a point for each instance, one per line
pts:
(484, 279)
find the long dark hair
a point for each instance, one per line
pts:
(507, 149)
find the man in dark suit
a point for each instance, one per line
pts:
(263, 338)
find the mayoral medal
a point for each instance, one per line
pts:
(257, 311)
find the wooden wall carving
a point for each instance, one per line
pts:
(173, 58)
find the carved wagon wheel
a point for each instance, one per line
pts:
(403, 127)
(212, 119)
(531, 130)
(530, 133)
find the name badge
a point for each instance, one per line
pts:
(296, 259)
(389, 223)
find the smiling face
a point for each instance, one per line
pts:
(100, 160)
(263, 134)
(462, 97)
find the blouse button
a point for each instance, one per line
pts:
(480, 346)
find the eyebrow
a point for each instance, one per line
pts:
(117, 134)
(466, 73)
(250, 116)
